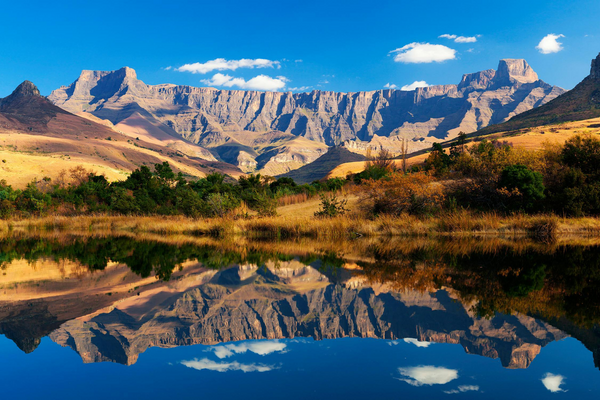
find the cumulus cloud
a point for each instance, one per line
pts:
(221, 64)
(418, 53)
(262, 347)
(205, 363)
(427, 375)
(390, 86)
(414, 85)
(260, 82)
(460, 39)
(416, 342)
(552, 382)
(462, 389)
(550, 44)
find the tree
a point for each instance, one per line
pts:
(582, 152)
(526, 186)
(438, 161)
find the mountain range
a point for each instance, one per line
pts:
(275, 132)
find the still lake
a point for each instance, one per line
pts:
(147, 316)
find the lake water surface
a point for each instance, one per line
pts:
(98, 316)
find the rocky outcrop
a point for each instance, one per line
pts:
(578, 104)
(293, 300)
(595, 70)
(439, 112)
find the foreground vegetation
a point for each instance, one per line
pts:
(158, 192)
(488, 187)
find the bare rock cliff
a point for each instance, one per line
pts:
(481, 99)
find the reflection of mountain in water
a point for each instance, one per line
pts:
(294, 300)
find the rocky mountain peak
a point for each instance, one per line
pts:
(26, 89)
(511, 70)
(128, 72)
(26, 100)
(477, 80)
(595, 71)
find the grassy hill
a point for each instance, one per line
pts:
(321, 167)
(38, 139)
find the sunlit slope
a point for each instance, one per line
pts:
(38, 140)
(530, 138)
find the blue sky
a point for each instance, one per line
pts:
(329, 45)
(300, 369)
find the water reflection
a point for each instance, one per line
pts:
(112, 298)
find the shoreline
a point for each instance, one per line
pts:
(458, 224)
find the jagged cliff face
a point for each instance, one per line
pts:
(293, 300)
(580, 103)
(209, 116)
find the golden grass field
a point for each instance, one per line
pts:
(296, 221)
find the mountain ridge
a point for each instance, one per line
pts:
(211, 117)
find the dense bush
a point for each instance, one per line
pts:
(415, 193)
(523, 186)
(494, 176)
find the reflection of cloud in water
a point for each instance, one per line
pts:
(427, 375)
(417, 343)
(205, 363)
(552, 382)
(462, 389)
(262, 347)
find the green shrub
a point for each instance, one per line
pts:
(331, 206)
(526, 186)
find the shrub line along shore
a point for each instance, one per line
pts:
(460, 224)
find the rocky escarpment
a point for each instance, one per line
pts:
(294, 300)
(209, 117)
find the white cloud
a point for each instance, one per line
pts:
(217, 80)
(205, 363)
(460, 39)
(390, 86)
(262, 347)
(552, 382)
(550, 44)
(414, 85)
(300, 89)
(417, 343)
(466, 39)
(428, 375)
(298, 61)
(221, 64)
(462, 389)
(168, 68)
(417, 53)
(260, 82)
